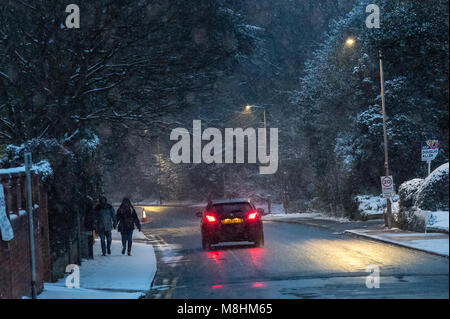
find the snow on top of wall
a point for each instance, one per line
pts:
(43, 167)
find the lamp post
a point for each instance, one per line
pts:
(386, 161)
(350, 42)
(248, 108)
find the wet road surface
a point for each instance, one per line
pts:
(297, 261)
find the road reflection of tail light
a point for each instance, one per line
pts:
(252, 216)
(216, 256)
(257, 284)
(210, 218)
(217, 286)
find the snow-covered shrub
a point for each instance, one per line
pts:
(407, 192)
(421, 197)
(433, 192)
(369, 206)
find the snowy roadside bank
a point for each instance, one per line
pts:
(309, 216)
(114, 276)
(438, 220)
(435, 243)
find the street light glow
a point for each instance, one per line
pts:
(350, 41)
(248, 108)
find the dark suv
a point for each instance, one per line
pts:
(231, 220)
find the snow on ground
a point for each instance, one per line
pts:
(136, 235)
(306, 216)
(58, 291)
(438, 220)
(110, 277)
(155, 202)
(372, 205)
(275, 208)
(432, 242)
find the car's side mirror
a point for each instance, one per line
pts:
(198, 214)
(261, 211)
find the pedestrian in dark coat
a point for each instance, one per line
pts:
(127, 217)
(105, 221)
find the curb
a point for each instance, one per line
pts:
(394, 243)
(359, 235)
(296, 222)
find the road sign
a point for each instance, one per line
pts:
(387, 186)
(430, 149)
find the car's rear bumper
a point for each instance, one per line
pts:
(223, 233)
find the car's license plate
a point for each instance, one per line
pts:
(231, 221)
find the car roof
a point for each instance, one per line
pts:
(230, 201)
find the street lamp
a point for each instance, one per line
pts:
(350, 42)
(248, 108)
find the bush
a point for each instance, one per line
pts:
(407, 192)
(433, 192)
(418, 196)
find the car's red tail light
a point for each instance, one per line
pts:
(253, 215)
(210, 218)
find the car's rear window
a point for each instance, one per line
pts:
(225, 209)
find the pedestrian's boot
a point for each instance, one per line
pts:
(123, 251)
(103, 254)
(129, 253)
(109, 251)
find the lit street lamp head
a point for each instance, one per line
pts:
(350, 42)
(248, 108)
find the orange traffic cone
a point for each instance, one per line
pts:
(144, 216)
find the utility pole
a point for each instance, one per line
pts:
(159, 173)
(386, 161)
(265, 130)
(28, 163)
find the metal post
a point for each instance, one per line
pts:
(386, 162)
(78, 237)
(265, 131)
(159, 174)
(429, 167)
(28, 164)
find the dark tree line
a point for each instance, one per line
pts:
(338, 102)
(74, 96)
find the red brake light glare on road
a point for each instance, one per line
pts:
(210, 218)
(252, 216)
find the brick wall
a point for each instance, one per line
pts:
(15, 262)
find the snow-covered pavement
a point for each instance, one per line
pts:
(436, 243)
(114, 276)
